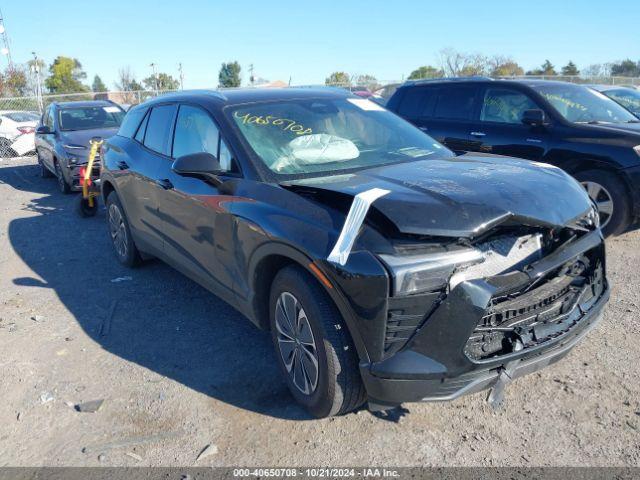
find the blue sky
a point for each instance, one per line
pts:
(309, 40)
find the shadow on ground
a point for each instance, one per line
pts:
(158, 319)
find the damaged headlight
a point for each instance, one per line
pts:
(428, 272)
(420, 273)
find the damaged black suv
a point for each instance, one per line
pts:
(387, 269)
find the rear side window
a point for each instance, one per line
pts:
(455, 103)
(143, 128)
(414, 103)
(131, 122)
(505, 106)
(158, 134)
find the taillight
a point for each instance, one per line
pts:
(26, 130)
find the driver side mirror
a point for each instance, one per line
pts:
(44, 130)
(534, 117)
(200, 164)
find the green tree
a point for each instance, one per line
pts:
(570, 69)
(341, 79)
(501, 66)
(13, 82)
(66, 76)
(625, 68)
(229, 75)
(98, 85)
(162, 81)
(426, 71)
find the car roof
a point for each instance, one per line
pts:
(530, 82)
(85, 103)
(236, 96)
(604, 88)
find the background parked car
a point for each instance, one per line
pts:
(17, 130)
(571, 126)
(62, 139)
(628, 97)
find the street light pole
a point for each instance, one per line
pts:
(181, 76)
(155, 78)
(36, 71)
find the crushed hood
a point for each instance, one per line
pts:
(464, 196)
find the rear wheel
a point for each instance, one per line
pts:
(313, 346)
(611, 198)
(62, 183)
(120, 233)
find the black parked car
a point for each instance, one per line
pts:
(62, 138)
(386, 268)
(570, 126)
(628, 97)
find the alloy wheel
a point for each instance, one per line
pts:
(117, 230)
(603, 200)
(296, 343)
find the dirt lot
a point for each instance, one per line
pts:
(179, 370)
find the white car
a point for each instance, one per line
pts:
(17, 132)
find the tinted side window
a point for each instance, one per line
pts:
(455, 102)
(131, 121)
(414, 103)
(158, 134)
(142, 130)
(195, 132)
(48, 121)
(505, 106)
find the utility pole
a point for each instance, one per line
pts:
(6, 50)
(35, 68)
(251, 78)
(181, 76)
(155, 78)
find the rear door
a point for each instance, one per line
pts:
(499, 129)
(139, 172)
(447, 115)
(193, 211)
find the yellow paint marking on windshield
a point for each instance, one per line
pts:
(285, 124)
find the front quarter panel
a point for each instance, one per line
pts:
(272, 220)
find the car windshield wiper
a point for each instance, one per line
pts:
(594, 122)
(633, 121)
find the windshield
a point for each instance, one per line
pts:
(86, 118)
(582, 105)
(628, 98)
(310, 136)
(20, 117)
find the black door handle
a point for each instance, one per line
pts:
(165, 183)
(122, 165)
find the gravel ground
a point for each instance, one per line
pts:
(179, 370)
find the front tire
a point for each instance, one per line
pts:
(313, 346)
(120, 233)
(610, 196)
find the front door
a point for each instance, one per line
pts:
(499, 129)
(194, 210)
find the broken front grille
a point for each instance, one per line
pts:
(535, 315)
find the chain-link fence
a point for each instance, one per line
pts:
(19, 116)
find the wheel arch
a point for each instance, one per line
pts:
(267, 261)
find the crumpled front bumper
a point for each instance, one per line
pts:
(435, 365)
(429, 380)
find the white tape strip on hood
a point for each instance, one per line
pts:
(351, 227)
